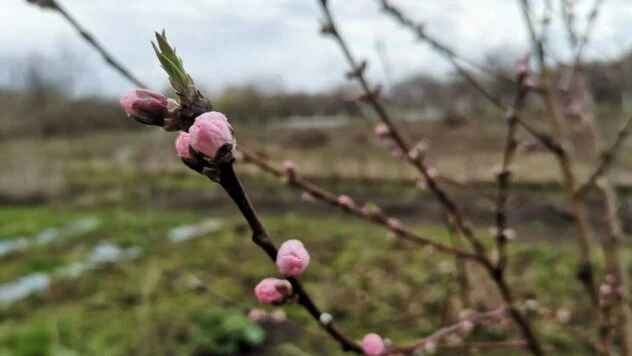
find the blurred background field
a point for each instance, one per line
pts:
(110, 246)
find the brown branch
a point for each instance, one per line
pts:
(581, 43)
(230, 182)
(358, 73)
(565, 161)
(447, 52)
(91, 40)
(608, 157)
(376, 216)
(436, 337)
(504, 176)
(416, 159)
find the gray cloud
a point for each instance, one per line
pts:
(232, 41)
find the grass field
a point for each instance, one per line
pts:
(116, 283)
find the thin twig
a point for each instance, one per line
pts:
(376, 216)
(416, 160)
(504, 176)
(581, 43)
(92, 41)
(230, 182)
(439, 335)
(446, 52)
(584, 237)
(608, 157)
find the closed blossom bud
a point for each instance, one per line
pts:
(289, 167)
(183, 143)
(371, 210)
(210, 132)
(292, 258)
(467, 326)
(522, 67)
(257, 314)
(346, 202)
(432, 172)
(430, 347)
(394, 224)
(381, 131)
(373, 345)
(325, 318)
(146, 106)
(273, 290)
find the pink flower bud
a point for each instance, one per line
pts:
(210, 132)
(394, 224)
(292, 258)
(273, 290)
(522, 66)
(182, 145)
(381, 131)
(257, 315)
(145, 106)
(289, 167)
(373, 345)
(346, 202)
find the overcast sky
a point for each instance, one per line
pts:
(226, 42)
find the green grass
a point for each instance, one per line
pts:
(365, 278)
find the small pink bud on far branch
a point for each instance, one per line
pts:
(467, 326)
(292, 258)
(183, 143)
(289, 167)
(522, 66)
(273, 290)
(257, 314)
(346, 202)
(430, 347)
(373, 345)
(381, 131)
(210, 132)
(432, 172)
(394, 224)
(146, 106)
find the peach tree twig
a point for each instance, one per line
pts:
(580, 44)
(232, 185)
(446, 52)
(90, 39)
(373, 215)
(414, 157)
(617, 315)
(464, 326)
(607, 158)
(504, 176)
(332, 199)
(220, 170)
(585, 272)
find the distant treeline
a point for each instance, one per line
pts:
(42, 105)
